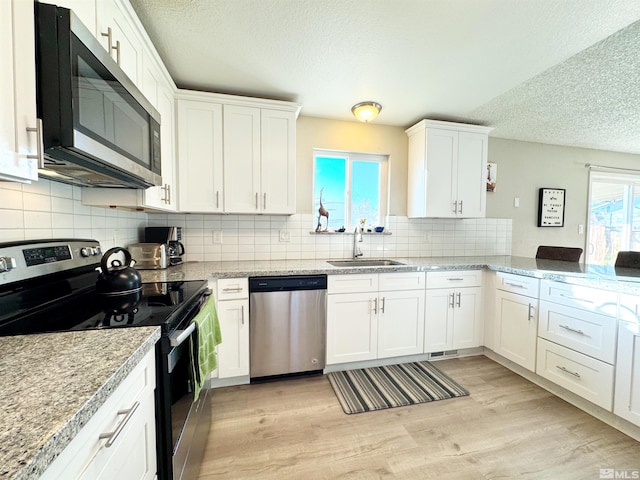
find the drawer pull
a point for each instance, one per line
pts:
(579, 332)
(111, 436)
(564, 369)
(514, 285)
(570, 297)
(455, 279)
(232, 289)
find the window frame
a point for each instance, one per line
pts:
(383, 160)
(627, 179)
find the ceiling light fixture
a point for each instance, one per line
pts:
(366, 111)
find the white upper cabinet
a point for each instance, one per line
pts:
(236, 154)
(278, 161)
(447, 170)
(199, 125)
(259, 160)
(144, 67)
(19, 135)
(118, 36)
(242, 159)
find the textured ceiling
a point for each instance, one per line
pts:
(553, 71)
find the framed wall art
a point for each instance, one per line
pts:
(551, 207)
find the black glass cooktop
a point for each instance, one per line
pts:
(73, 304)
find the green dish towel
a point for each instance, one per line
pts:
(203, 345)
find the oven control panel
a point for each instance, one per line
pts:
(38, 256)
(24, 260)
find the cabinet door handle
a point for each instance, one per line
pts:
(579, 332)
(111, 436)
(165, 187)
(382, 305)
(530, 312)
(257, 201)
(117, 49)
(459, 297)
(564, 369)
(571, 297)
(39, 143)
(514, 285)
(242, 314)
(109, 36)
(375, 305)
(455, 207)
(451, 299)
(264, 201)
(217, 199)
(460, 206)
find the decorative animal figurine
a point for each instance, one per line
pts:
(322, 212)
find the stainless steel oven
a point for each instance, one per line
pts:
(49, 285)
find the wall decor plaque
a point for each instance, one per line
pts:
(551, 207)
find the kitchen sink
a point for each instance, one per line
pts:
(363, 263)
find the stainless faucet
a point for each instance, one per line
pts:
(357, 237)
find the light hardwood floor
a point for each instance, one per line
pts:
(507, 428)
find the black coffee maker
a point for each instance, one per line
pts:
(171, 237)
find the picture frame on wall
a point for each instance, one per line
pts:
(551, 205)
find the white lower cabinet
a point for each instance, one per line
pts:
(400, 323)
(516, 319)
(517, 328)
(233, 314)
(352, 327)
(453, 312)
(626, 403)
(385, 318)
(627, 393)
(583, 375)
(129, 449)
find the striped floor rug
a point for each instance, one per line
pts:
(376, 388)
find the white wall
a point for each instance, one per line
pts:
(525, 167)
(46, 209)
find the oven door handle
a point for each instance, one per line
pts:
(181, 335)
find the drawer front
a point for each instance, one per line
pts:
(454, 278)
(630, 308)
(232, 288)
(589, 378)
(518, 284)
(367, 282)
(401, 281)
(585, 332)
(87, 450)
(586, 298)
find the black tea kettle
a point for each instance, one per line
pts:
(116, 277)
(119, 285)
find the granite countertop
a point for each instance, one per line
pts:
(623, 280)
(53, 383)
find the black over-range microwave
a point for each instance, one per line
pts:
(97, 127)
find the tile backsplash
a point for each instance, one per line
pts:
(47, 209)
(261, 237)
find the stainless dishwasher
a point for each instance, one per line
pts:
(287, 325)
